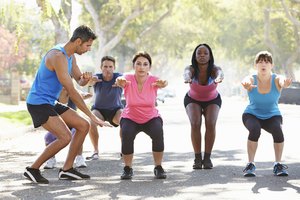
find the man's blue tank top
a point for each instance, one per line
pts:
(107, 97)
(263, 106)
(46, 86)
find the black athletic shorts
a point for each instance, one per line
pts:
(203, 104)
(40, 113)
(108, 115)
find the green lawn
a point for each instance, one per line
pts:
(21, 117)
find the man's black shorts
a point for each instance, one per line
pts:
(40, 113)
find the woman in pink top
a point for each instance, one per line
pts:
(140, 113)
(203, 99)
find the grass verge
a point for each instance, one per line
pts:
(20, 117)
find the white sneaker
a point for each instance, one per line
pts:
(51, 163)
(80, 162)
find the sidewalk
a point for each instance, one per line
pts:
(225, 181)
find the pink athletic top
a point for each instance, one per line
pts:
(140, 106)
(203, 92)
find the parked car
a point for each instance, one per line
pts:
(291, 95)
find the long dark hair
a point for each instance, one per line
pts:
(210, 62)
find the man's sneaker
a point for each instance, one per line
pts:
(34, 175)
(197, 163)
(207, 164)
(95, 156)
(249, 170)
(280, 170)
(80, 162)
(127, 173)
(51, 163)
(159, 172)
(72, 174)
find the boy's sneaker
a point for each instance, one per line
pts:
(95, 156)
(51, 163)
(72, 174)
(159, 172)
(197, 163)
(127, 173)
(280, 170)
(80, 162)
(34, 175)
(207, 164)
(249, 170)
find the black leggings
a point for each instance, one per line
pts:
(153, 128)
(271, 125)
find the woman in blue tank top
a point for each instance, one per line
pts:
(264, 90)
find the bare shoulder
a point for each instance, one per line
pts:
(54, 56)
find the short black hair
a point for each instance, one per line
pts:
(84, 33)
(109, 58)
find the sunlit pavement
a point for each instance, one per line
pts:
(19, 147)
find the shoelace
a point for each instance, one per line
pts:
(248, 167)
(281, 166)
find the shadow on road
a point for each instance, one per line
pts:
(225, 180)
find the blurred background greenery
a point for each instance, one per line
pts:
(168, 29)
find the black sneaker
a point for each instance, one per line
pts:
(207, 164)
(34, 175)
(127, 173)
(280, 170)
(159, 172)
(197, 163)
(249, 170)
(72, 174)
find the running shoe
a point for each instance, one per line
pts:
(249, 170)
(80, 162)
(51, 163)
(35, 176)
(280, 170)
(95, 156)
(197, 163)
(159, 172)
(72, 174)
(207, 164)
(127, 173)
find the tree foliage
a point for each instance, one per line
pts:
(168, 29)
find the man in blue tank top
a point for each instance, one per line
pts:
(264, 90)
(107, 105)
(55, 71)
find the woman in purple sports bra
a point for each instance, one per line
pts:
(203, 76)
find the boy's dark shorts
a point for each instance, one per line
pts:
(108, 115)
(41, 113)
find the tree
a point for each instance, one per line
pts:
(287, 53)
(9, 58)
(61, 19)
(113, 19)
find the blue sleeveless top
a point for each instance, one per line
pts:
(263, 106)
(46, 87)
(106, 96)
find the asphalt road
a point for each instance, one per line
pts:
(20, 146)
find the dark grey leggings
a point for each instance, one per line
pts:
(153, 128)
(271, 125)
